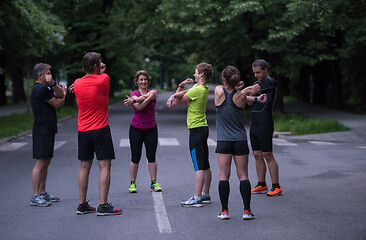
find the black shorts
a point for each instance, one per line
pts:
(261, 138)
(43, 145)
(98, 141)
(232, 147)
(199, 148)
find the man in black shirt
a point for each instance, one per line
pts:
(46, 97)
(261, 131)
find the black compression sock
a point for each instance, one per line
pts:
(245, 191)
(263, 184)
(224, 191)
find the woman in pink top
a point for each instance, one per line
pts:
(143, 128)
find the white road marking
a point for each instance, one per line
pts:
(168, 142)
(125, 142)
(160, 213)
(59, 144)
(211, 142)
(282, 142)
(11, 146)
(321, 143)
(361, 146)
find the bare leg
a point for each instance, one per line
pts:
(39, 175)
(272, 166)
(199, 179)
(260, 166)
(224, 166)
(241, 163)
(104, 180)
(133, 171)
(153, 168)
(207, 181)
(83, 179)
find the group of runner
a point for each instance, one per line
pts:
(94, 135)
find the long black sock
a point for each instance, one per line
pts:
(224, 190)
(245, 193)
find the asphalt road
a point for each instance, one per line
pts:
(323, 192)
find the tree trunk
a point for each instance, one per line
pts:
(303, 86)
(16, 76)
(70, 97)
(2, 89)
(278, 104)
(320, 80)
(335, 99)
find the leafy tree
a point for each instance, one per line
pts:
(28, 32)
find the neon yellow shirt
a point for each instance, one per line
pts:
(196, 114)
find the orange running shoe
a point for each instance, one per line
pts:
(275, 192)
(259, 189)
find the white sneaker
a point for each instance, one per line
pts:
(192, 202)
(248, 215)
(224, 215)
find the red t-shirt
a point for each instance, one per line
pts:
(92, 96)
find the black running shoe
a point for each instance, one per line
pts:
(85, 208)
(107, 210)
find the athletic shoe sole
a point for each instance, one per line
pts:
(152, 190)
(82, 213)
(40, 205)
(193, 205)
(274, 195)
(260, 192)
(133, 191)
(108, 214)
(248, 218)
(206, 202)
(223, 217)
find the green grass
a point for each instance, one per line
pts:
(21, 122)
(15, 124)
(299, 124)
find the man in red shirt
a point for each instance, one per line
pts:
(94, 136)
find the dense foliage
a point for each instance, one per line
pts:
(315, 48)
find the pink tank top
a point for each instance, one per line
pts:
(146, 117)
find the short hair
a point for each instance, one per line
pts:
(206, 69)
(89, 60)
(231, 75)
(260, 63)
(39, 68)
(141, 72)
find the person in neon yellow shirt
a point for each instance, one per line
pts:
(197, 97)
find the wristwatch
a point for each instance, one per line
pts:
(134, 101)
(255, 99)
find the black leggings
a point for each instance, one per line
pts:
(147, 136)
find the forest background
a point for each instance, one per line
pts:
(315, 49)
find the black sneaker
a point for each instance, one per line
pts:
(85, 208)
(107, 210)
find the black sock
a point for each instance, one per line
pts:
(263, 184)
(275, 185)
(224, 190)
(245, 193)
(132, 182)
(153, 181)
